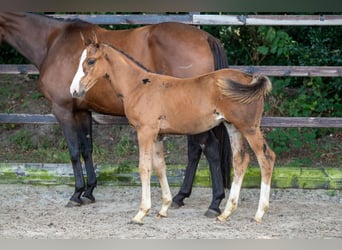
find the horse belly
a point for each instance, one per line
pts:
(188, 124)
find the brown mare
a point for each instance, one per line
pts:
(54, 46)
(157, 104)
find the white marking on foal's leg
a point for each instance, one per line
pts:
(264, 201)
(145, 169)
(232, 202)
(75, 84)
(240, 163)
(166, 197)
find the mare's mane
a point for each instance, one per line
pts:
(66, 20)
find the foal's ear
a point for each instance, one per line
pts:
(95, 40)
(86, 42)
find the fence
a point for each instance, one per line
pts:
(198, 19)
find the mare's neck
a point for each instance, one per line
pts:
(30, 34)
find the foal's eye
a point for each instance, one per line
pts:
(91, 61)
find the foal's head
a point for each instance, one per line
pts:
(91, 69)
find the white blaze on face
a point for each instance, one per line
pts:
(75, 85)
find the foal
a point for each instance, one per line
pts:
(157, 104)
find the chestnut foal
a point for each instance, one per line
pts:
(158, 104)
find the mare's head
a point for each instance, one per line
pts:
(92, 68)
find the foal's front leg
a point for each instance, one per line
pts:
(160, 167)
(145, 169)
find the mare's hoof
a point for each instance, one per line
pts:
(89, 196)
(211, 213)
(73, 204)
(176, 205)
(87, 201)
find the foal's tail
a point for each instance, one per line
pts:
(221, 62)
(246, 93)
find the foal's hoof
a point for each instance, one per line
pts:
(73, 204)
(211, 213)
(221, 219)
(159, 215)
(133, 222)
(256, 220)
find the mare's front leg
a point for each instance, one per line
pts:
(69, 127)
(146, 141)
(240, 164)
(160, 167)
(84, 121)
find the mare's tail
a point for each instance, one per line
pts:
(245, 93)
(220, 62)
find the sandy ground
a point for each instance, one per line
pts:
(39, 212)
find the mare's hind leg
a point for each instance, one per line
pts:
(266, 158)
(160, 167)
(211, 151)
(194, 155)
(240, 163)
(86, 145)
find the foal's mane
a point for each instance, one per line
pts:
(139, 64)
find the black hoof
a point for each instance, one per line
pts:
(86, 200)
(89, 193)
(211, 213)
(177, 205)
(73, 204)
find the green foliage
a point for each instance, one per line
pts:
(9, 55)
(22, 139)
(124, 146)
(291, 96)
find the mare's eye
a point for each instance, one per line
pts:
(91, 61)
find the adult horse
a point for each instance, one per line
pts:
(182, 106)
(54, 46)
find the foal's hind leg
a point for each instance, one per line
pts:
(266, 158)
(160, 167)
(240, 163)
